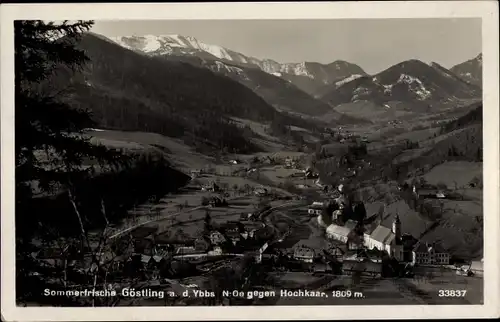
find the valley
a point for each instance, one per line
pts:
(233, 172)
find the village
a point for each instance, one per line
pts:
(304, 226)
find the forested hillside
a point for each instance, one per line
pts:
(129, 91)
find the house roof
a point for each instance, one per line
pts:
(218, 233)
(370, 228)
(303, 252)
(351, 224)
(382, 234)
(438, 248)
(338, 230)
(162, 253)
(427, 247)
(363, 266)
(185, 251)
(420, 248)
(157, 258)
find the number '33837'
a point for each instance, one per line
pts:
(452, 293)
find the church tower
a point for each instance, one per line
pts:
(396, 229)
(397, 247)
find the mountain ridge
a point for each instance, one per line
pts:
(128, 91)
(305, 75)
(411, 81)
(471, 70)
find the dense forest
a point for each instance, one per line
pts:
(475, 116)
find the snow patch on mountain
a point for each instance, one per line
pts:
(415, 85)
(186, 45)
(358, 92)
(347, 80)
(299, 69)
(221, 67)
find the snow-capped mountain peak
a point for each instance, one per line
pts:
(165, 44)
(174, 44)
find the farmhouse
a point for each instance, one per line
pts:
(304, 254)
(423, 193)
(211, 187)
(315, 208)
(217, 202)
(216, 238)
(289, 163)
(195, 173)
(340, 233)
(430, 254)
(261, 192)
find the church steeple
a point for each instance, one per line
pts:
(396, 228)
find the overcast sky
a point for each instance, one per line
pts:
(373, 44)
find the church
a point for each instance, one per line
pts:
(386, 239)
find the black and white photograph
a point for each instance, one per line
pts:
(251, 163)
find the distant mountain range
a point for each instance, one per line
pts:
(126, 90)
(180, 87)
(417, 84)
(308, 76)
(471, 71)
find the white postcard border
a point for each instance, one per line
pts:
(487, 10)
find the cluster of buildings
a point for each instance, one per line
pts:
(359, 234)
(390, 241)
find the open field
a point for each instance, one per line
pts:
(371, 111)
(178, 153)
(459, 173)
(417, 135)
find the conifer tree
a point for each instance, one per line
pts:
(50, 150)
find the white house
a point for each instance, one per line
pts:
(315, 208)
(340, 233)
